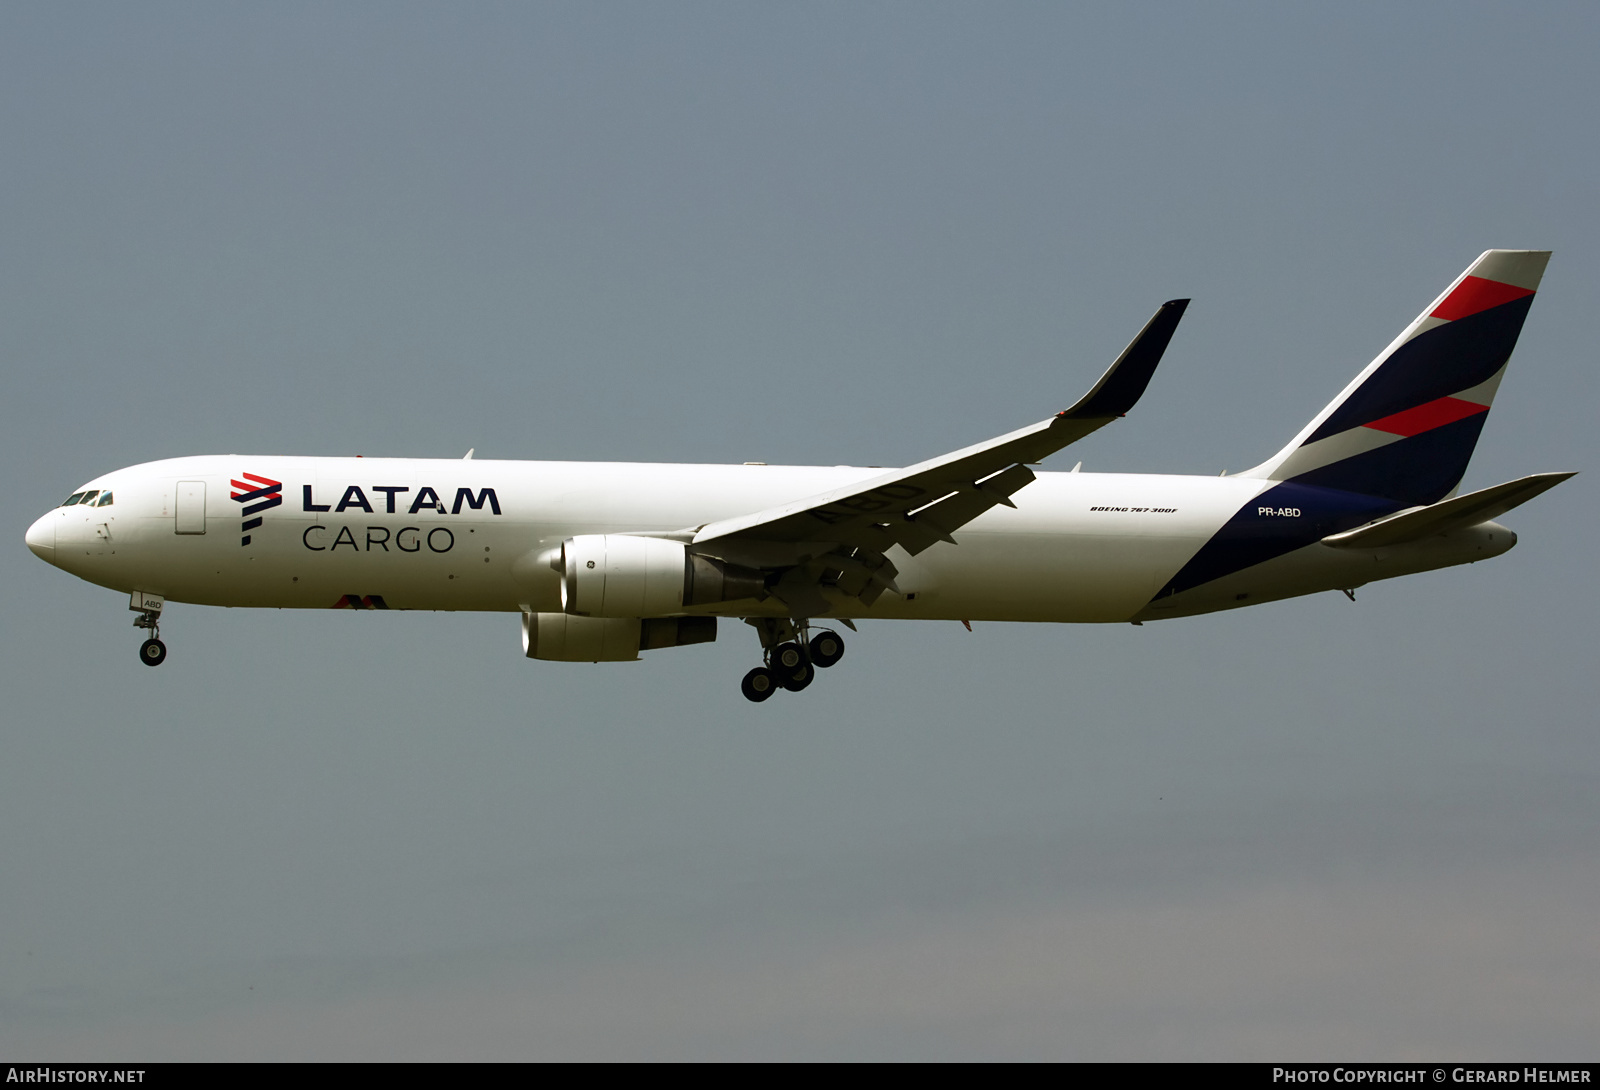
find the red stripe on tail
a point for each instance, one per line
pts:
(1474, 294)
(1434, 414)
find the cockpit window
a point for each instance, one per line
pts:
(88, 497)
(105, 500)
(72, 499)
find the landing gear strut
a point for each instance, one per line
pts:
(791, 655)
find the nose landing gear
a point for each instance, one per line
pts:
(791, 658)
(152, 652)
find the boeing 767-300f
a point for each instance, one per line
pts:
(605, 560)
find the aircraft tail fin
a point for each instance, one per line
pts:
(1406, 427)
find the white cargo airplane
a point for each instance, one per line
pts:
(604, 560)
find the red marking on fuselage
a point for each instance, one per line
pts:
(1434, 414)
(1475, 294)
(263, 486)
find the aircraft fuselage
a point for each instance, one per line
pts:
(469, 534)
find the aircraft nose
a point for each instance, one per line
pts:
(41, 538)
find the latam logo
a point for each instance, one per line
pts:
(260, 494)
(426, 499)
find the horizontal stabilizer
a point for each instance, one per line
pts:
(1447, 515)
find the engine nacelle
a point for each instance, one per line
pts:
(619, 575)
(561, 637)
(564, 638)
(615, 575)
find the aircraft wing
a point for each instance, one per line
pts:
(923, 504)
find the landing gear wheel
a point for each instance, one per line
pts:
(787, 658)
(152, 652)
(827, 648)
(799, 679)
(758, 684)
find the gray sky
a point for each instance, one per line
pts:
(808, 234)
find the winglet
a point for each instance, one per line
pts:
(1124, 382)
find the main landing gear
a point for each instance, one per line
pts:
(792, 657)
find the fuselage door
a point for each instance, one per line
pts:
(191, 507)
